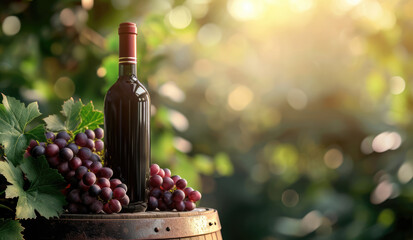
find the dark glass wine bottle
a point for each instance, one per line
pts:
(127, 121)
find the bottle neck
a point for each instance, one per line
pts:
(127, 69)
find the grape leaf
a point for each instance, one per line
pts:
(43, 195)
(91, 118)
(14, 133)
(10, 229)
(71, 113)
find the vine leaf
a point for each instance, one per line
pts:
(14, 131)
(43, 194)
(10, 229)
(91, 118)
(71, 113)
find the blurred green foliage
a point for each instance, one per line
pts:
(293, 116)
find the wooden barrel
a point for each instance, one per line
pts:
(201, 223)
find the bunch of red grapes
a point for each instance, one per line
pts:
(90, 188)
(168, 193)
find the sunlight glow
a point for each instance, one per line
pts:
(172, 91)
(297, 99)
(290, 198)
(11, 25)
(240, 97)
(386, 141)
(245, 9)
(178, 120)
(382, 192)
(397, 85)
(405, 173)
(333, 158)
(180, 17)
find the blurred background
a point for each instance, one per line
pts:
(292, 117)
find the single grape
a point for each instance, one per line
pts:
(73, 208)
(73, 147)
(89, 178)
(194, 196)
(63, 135)
(156, 192)
(66, 154)
(32, 144)
(50, 136)
(84, 153)
(152, 203)
(167, 198)
(103, 182)
(167, 172)
(74, 163)
(115, 205)
(83, 186)
(161, 205)
(80, 139)
(95, 158)
(53, 161)
(105, 172)
(189, 205)
(106, 208)
(95, 167)
(114, 183)
(154, 169)
(74, 196)
(38, 151)
(99, 145)
(87, 163)
(94, 190)
(90, 144)
(187, 191)
(122, 185)
(90, 134)
(60, 142)
(119, 193)
(63, 168)
(175, 178)
(161, 173)
(87, 199)
(106, 194)
(179, 206)
(98, 133)
(124, 201)
(70, 175)
(178, 195)
(156, 181)
(80, 171)
(51, 150)
(181, 183)
(167, 183)
(96, 206)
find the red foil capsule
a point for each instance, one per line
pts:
(127, 43)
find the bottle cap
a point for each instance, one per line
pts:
(127, 42)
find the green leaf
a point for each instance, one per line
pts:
(71, 113)
(54, 123)
(10, 229)
(91, 118)
(43, 195)
(14, 135)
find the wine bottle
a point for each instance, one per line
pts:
(127, 121)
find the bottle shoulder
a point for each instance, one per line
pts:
(127, 87)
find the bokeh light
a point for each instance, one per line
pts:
(180, 17)
(67, 17)
(290, 198)
(64, 88)
(333, 158)
(240, 97)
(11, 25)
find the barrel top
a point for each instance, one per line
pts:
(139, 215)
